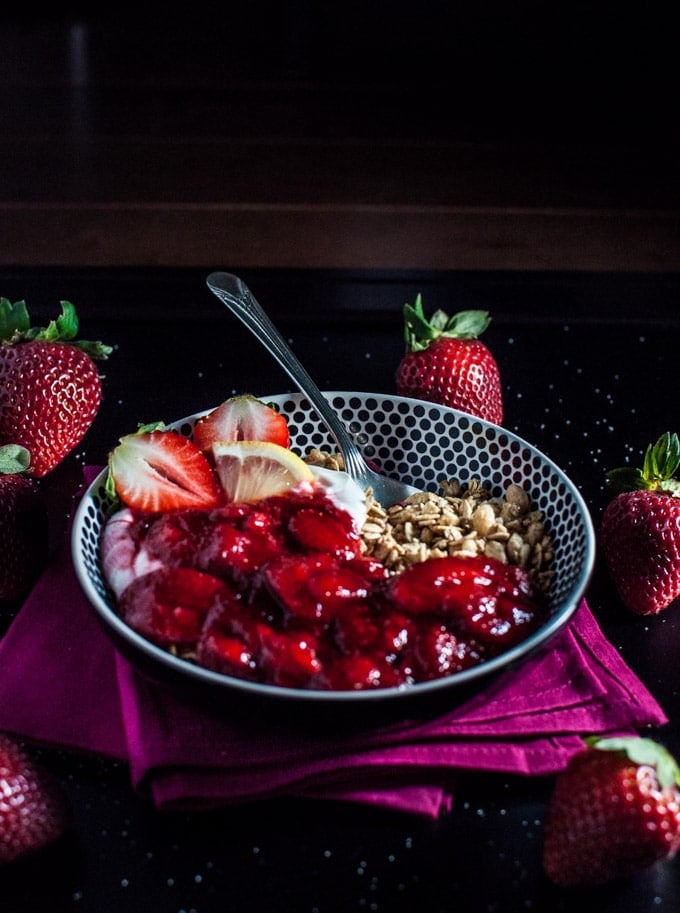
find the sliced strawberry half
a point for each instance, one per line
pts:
(159, 470)
(315, 587)
(242, 418)
(324, 529)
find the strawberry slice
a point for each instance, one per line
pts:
(158, 470)
(315, 587)
(360, 672)
(324, 529)
(169, 605)
(175, 538)
(492, 601)
(289, 658)
(235, 552)
(438, 651)
(242, 418)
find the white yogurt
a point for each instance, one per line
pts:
(344, 492)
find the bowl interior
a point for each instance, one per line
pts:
(420, 443)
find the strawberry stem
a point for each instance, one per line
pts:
(15, 327)
(642, 751)
(659, 468)
(419, 331)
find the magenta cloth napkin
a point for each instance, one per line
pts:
(62, 683)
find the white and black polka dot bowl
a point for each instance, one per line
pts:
(420, 443)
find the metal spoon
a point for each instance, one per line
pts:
(233, 292)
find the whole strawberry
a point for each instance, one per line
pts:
(23, 525)
(446, 363)
(613, 812)
(33, 809)
(50, 389)
(640, 529)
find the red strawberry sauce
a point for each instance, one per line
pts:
(280, 592)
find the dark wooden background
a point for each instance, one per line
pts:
(479, 136)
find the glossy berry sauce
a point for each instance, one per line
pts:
(280, 592)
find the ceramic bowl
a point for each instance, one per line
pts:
(409, 439)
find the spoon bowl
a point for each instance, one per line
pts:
(233, 292)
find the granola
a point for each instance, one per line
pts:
(462, 519)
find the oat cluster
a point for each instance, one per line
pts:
(463, 520)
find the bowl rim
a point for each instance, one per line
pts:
(178, 666)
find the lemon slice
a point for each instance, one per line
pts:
(252, 470)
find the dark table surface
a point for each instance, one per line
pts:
(590, 370)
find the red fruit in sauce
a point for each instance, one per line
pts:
(357, 628)
(289, 658)
(175, 537)
(229, 641)
(358, 672)
(319, 529)
(316, 586)
(170, 605)
(226, 654)
(372, 626)
(439, 651)
(233, 550)
(493, 601)
(277, 591)
(427, 587)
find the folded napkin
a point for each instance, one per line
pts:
(62, 683)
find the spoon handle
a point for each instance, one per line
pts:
(233, 292)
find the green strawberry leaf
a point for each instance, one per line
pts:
(94, 349)
(659, 468)
(14, 459)
(662, 458)
(626, 478)
(467, 324)
(65, 329)
(419, 331)
(110, 485)
(151, 426)
(439, 322)
(14, 319)
(643, 751)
